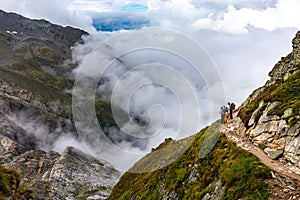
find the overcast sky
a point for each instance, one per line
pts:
(245, 38)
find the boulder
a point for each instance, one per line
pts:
(293, 146)
(272, 153)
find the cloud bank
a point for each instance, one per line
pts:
(245, 38)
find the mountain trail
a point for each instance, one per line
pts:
(241, 140)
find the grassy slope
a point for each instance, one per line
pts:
(241, 173)
(287, 93)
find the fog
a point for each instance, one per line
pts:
(161, 92)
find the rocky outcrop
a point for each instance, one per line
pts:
(80, 176)
(271, 114)
(71, 175)
(287, 65)
(35, 111)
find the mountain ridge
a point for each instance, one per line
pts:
(35, 67)
(268, 120)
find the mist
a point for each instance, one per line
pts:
(160, 91)
(237, 35)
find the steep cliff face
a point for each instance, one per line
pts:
(35, 111)
(29, 124)
(49, 175)
(271, 114)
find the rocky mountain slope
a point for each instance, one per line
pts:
(268, 120)
(271, 114)
(35, 67)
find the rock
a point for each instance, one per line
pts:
(253, 117)
(269, 127)
(265, 117)
(282, 70)
(170, 196)
(273, 154)
(285, 190)
(255, 114)
(294, 130)
(282, 128)
(76, 174)
(9, 149)
(33, 163)
(295, 160)
(265, 137)
(218, 192)
(273, 175)
(293, 146)
(287, 113)
(206, 197)
(193, 176)
(278, 144)
(72, 175)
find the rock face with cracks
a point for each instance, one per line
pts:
(271, 114)
(35, 68)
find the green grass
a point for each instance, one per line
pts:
(263, 97)
(240, 173)
(287, 93)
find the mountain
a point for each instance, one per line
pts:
(255, 156)
(35, 69)
(271, 114)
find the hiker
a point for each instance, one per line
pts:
(230, 110)
(232, 105)
(223, 112)
(226, 117)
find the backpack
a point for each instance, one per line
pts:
(226, 108)
(232, 106)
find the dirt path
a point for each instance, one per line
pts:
(244, 143)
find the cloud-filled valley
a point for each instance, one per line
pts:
(244, 39)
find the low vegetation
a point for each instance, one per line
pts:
(192, 176)
(286, 93)
(10, 185)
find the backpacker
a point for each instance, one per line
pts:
(232, 106)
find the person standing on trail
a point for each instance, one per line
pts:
(230, 110)
(223, 112)
(232, 105)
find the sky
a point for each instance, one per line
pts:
(243, 38)
(240, 35)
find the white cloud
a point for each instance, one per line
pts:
(236, 21)
(245, 38)
(55, 11)
(231, 16)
